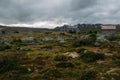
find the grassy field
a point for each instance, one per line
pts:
(49, 56)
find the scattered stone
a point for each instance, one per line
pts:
(28, 39)
(85, 37)
(47, 39)
(23, 49)
(119, 43)
(97, 44)
(108, 54)
(100, 62)
(29, 69)
(72, 54)
(101, 39)
(85, 51)
(61, 40)
(113, 70)
(36, 69)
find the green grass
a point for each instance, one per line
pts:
(48, 62)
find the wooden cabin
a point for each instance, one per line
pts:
(108, 29)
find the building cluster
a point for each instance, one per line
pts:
(105, 29)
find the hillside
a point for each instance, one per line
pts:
(26, 54)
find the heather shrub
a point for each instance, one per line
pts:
(65, 65)
(92, 56)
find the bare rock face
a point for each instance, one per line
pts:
(72, 54)
(119, 43)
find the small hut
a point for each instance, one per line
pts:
(108, 29)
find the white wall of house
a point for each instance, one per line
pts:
(108, 29)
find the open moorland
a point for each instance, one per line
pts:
(52, 55)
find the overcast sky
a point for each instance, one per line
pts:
(51, 13)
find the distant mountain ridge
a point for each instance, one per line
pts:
(59, 28)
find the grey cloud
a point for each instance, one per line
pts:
(71, 11)
(82, 4)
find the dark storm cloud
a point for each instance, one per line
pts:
(59, 11)
(82, 4)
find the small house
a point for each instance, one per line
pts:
(108, 29)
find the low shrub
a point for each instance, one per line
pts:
(61, 58)
(81, 50)
(92, 56)
(17, 42)
(8, 65)
(84, 42)
(47, 47)
(116, 62)
(116, 56)
(65, 65)
(4, 47)
(88, 75)
(51, 74)
(113, 37)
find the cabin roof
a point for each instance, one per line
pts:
(108, 27)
